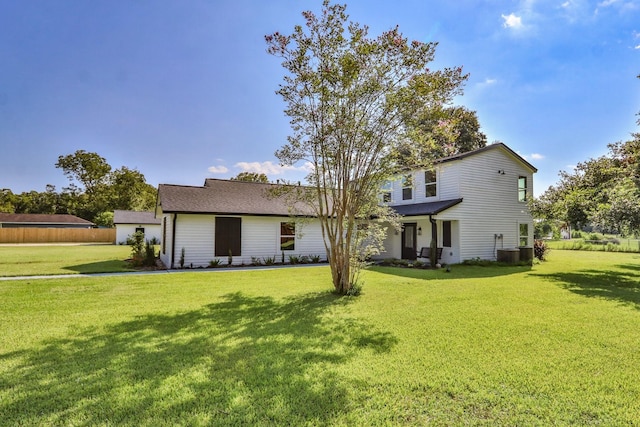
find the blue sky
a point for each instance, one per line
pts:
(183, 90)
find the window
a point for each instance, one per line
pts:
(228, 236)
(430, 186)
(140, 229)
(407, 187)
(386, 192)
(287, 236)
(446, 234)
(522, 188)
(523, 238)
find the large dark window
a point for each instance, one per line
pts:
(446, 234)
(228, 236)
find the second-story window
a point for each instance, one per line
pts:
(430, 185)
(407, 187)
(522, 188)
(386, 192)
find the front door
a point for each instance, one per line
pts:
(409, 240)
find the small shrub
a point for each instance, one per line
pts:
(355, 290)
(214, 263)
(269, 260)
(315, 258)
(576, 234)
(230, 258)
(256, 261)
(540, 249)
(294, 259)
(182, 255)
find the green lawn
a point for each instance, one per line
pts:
(31, 260)
(555, 344)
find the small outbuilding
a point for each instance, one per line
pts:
(129, 222)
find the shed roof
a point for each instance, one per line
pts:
(227, 197)
(430, 208)
(59, 219)
(134, 217)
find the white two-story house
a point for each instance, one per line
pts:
(473, 204)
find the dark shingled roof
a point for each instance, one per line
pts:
(43, 219)
(431, 208)
(225, 197)
(133, 217)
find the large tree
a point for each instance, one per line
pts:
(353, 102)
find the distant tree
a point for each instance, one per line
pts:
(104, 219)
(442, 132)
(88, 169)
(7, 201)
(130, 191)
(251, 177)
(352, 101)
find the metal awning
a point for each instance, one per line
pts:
(430, 208)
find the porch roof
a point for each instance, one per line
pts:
(430, 208)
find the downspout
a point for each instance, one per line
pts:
(434, 242)
(173, 240)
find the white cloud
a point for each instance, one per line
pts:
(512, 21)
(536, 156)
(270, 168)
(218, 169)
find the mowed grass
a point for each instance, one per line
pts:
(33, 260)
(555, 344)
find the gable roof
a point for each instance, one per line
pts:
(58, 219)
(226, 197)
(430, 208)
(134, 217)
(498, 145)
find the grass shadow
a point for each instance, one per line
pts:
(108, 266)
(621, 286)
(245, 360)
(456, 271)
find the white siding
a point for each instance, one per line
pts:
(123, 231)
(260, 238)
(490, 206)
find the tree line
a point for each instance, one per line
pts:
(602, 192)
(95, 190)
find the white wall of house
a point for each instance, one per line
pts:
(260, 238)
(123, 231)
(488, 184)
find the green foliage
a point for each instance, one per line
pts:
(251, 177)
(269, 260)
(294, 259)
(142, 253)
(256, 261)
(214, 263)
(182, 257)
(540, 249)
(353, 101)
(604, 192)
(104, 219)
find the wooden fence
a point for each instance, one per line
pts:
(57, 235)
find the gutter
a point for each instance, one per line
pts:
(173, 240)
